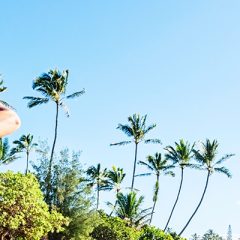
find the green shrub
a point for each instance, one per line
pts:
(153, 233)
(114, 228)
(23, 212)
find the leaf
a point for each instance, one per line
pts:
(76, 94)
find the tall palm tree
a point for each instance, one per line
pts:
(206, 157)
(156, 165)
(98, 178)
(129, 208)
(24, 144)
(181, 156)
(52, 86)
(6, 156)
(137, 130)
(115, 178)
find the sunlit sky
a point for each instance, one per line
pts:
(176, 61)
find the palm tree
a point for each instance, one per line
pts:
(52, 86)
(137, 130)
(129, 209)
(156, 165)
(6, 156)
(181, 156)
(206, 157)
(98, 178)
(24, 144)
(115, 178)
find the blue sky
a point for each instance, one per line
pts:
(176, 61)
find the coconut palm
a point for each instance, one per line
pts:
(52, 86)
(156, 165)
(98, 178)
(129, 209)
(24, 144)
(206, 157)
(6, 156)
(115, 178)
(137, 130)
(180, 156)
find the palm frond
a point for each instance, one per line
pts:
(143, 174)
(65, 108)
(35, 101)
(126, 129)
(7, 105)
(149, 128)
(224, 158)
(76, 94)
(120, 143)
(146, 164)
(157, 141)
(223, 170)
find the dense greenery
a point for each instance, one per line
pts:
(114, 228)
(23, 213)
(70, 193)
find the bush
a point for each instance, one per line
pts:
(23, 212)
(114, 228)
(149, 232)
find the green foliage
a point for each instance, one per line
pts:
(136, 130)
(99, 178)
(6, 156)
(129, 209)
(70, 193)
(150, 232)
(114, 228)
(24, 144)
(23, 213)
(211, 235)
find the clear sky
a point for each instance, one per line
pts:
(176, 61)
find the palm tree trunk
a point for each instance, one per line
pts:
(134, 167)
(27, 162)
(115, 204)
(98, 196)
(155, 199)
(205, 189)
(179, 191)
(49, 174)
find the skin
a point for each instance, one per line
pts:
(9, 121)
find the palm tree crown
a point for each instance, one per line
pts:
(137, 130)
(24, 144)
(6, 155)
(115, 179)
(181, 154)
(98, 178)
(52, 86)
(129, 208)
(206, 157)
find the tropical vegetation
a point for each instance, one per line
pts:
(59, 197)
